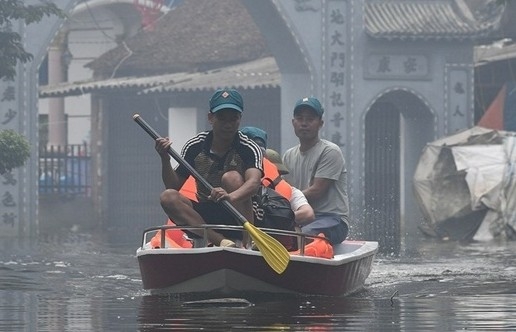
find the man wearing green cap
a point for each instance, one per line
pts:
(227, 159)
(317, 167)
(303, 212)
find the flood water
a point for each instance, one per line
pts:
(86, 281)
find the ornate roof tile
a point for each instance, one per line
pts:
(430, 19)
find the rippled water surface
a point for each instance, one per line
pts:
(87, 282)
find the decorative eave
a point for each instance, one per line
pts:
(427, 20)
(261, 73)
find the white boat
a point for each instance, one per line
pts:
(231, 271)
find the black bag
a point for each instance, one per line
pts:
(271, 210)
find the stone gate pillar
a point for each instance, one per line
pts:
(314, 55)
(313, 43)
(18, 111)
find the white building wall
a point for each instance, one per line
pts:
(182, 125)
(92, 31)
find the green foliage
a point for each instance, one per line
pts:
(14, 150)
(11, 46)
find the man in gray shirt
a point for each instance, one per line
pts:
(317, 167)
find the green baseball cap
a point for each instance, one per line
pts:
(275, 158)
(226, 98)
(311, 103)
(255, 133)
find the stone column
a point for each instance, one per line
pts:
(56, 110)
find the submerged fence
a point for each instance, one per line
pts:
(65, 170)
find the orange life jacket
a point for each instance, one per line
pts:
(189, 189)
(174, 238)
(272, 176)
(273, 179)
(317, 248)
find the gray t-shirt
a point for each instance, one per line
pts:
(323, 160)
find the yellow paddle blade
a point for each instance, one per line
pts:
(272, 250)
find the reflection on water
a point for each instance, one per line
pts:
(88, 282)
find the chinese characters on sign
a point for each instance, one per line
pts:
(457, 112)
(335, 70)
(396, 66)
(307, 5)
(8, 181)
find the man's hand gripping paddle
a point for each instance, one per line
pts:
(271, 249)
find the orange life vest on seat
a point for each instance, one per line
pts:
(174, 238)
(317, 248)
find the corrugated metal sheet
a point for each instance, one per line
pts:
(261, 73)
(496, 52)
(426, 20)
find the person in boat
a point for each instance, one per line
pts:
(273, 170)
(318, 168)
(230, 161)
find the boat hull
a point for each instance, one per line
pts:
(234, 270)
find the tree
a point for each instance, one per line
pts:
(14, 150)
(11, 47)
